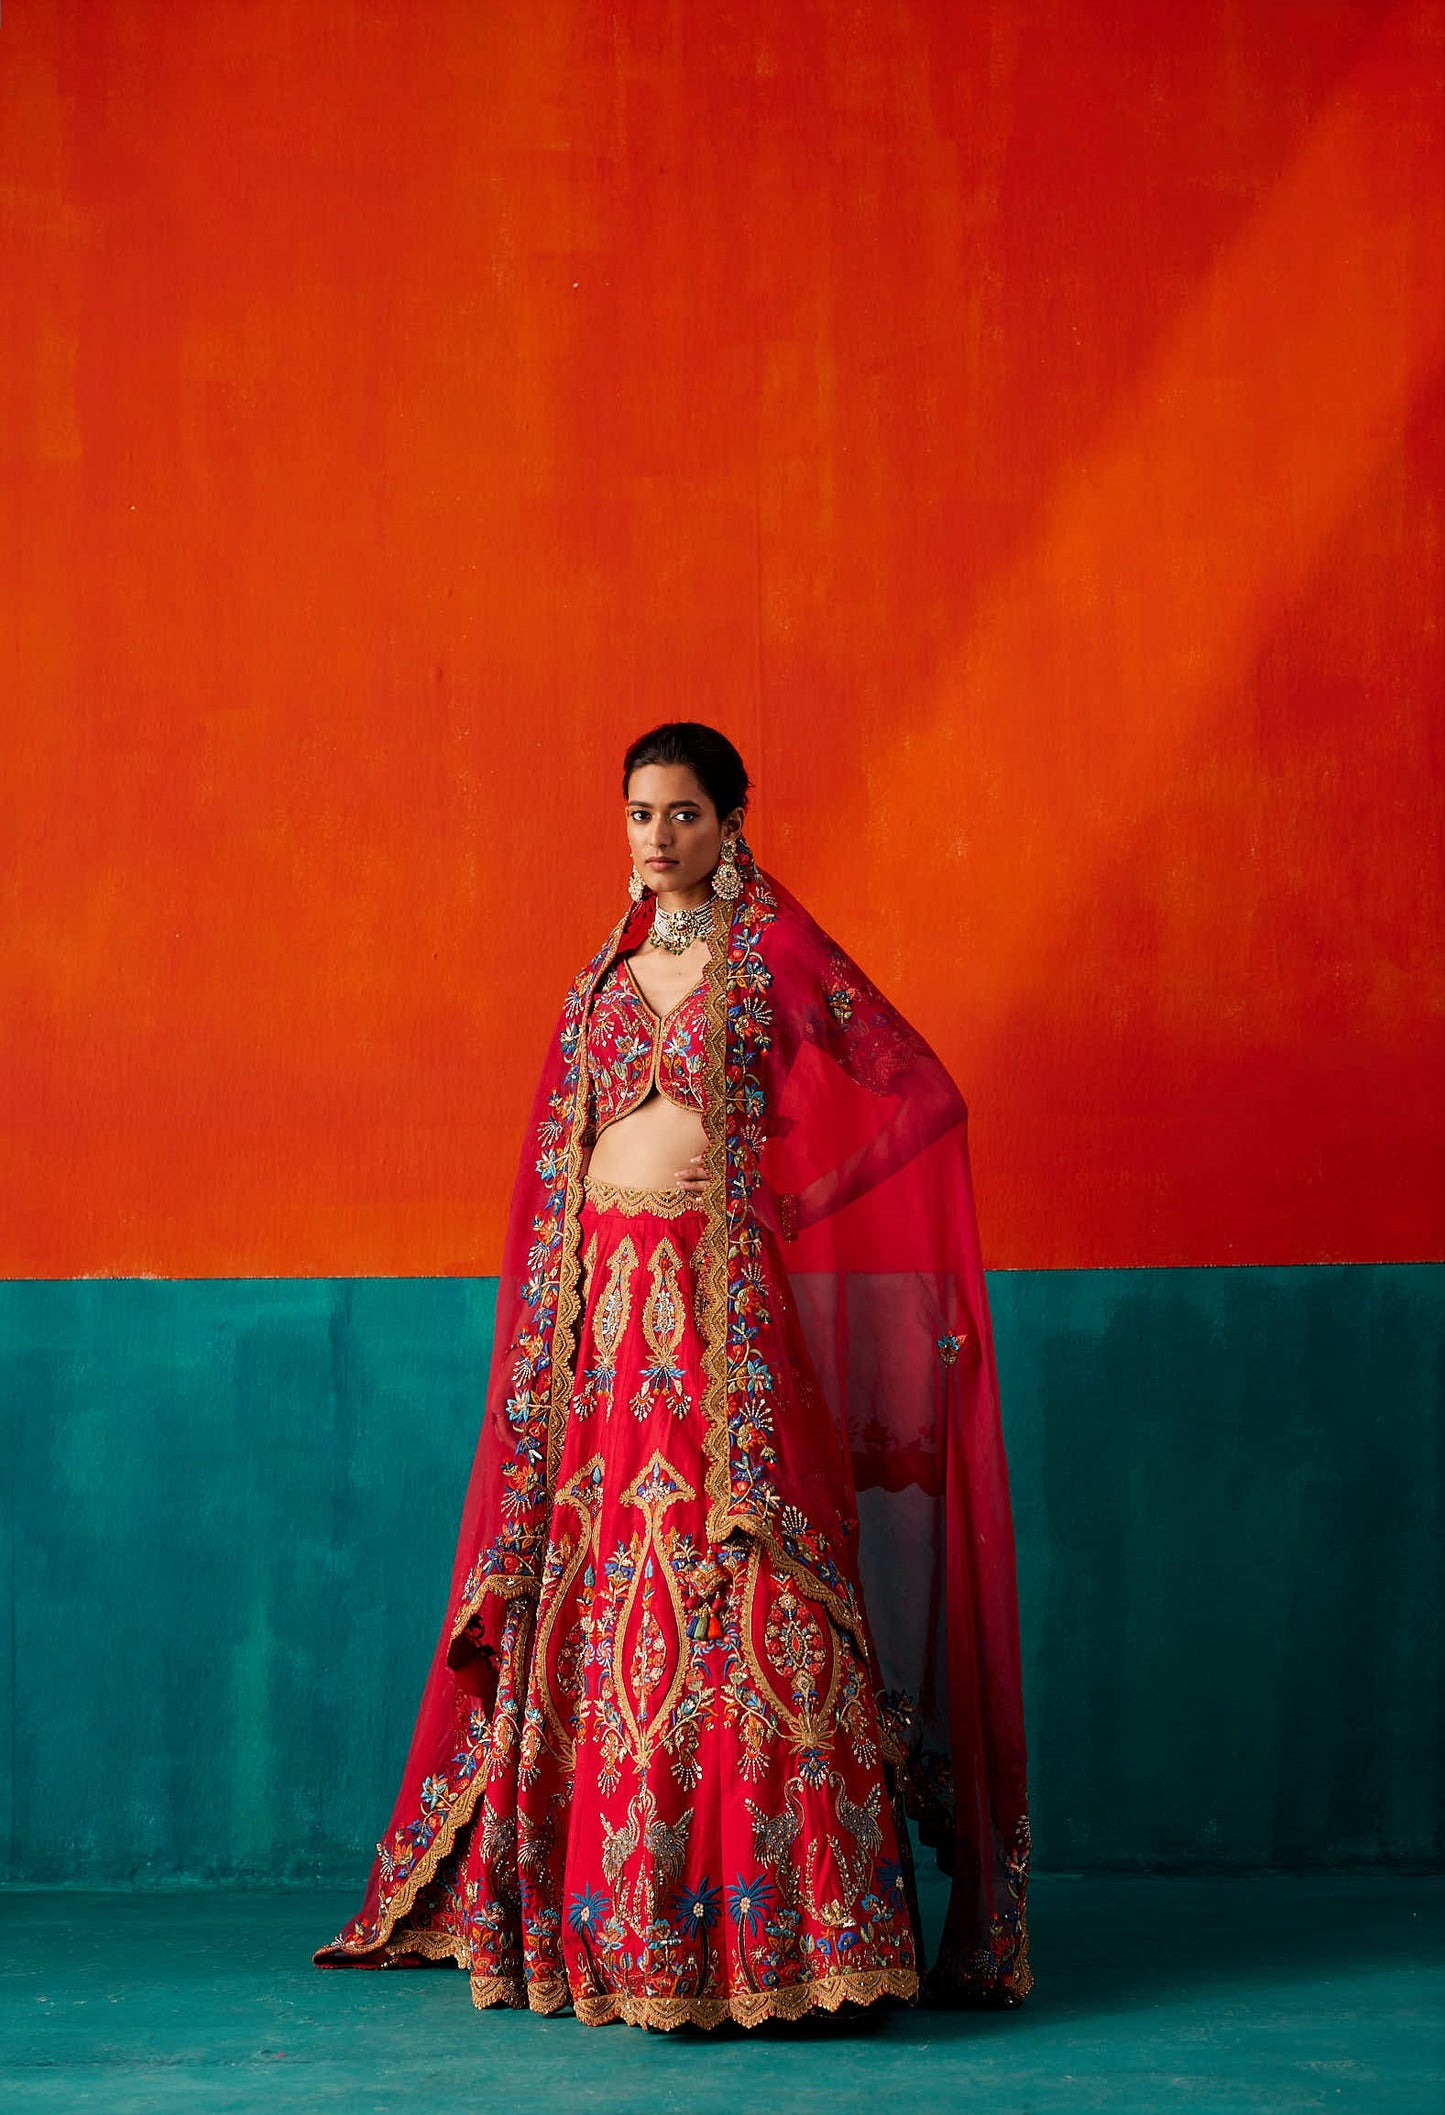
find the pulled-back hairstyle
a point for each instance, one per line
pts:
(710, 757)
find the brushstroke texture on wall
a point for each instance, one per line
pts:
(1019, 425)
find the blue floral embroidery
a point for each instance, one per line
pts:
(749, 1902)
(587, 1910)
(698, 1906)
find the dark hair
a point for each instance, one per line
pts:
(710, 757)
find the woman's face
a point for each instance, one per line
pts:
(673, 828)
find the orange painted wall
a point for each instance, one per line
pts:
(1019, 425)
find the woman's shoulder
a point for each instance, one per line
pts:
(617, 943)
(793, 938)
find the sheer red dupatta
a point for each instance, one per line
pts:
(841, 1225)
(868, 1153)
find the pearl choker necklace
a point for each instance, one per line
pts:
(676, 930)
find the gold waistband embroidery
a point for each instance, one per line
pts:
(615, 1196)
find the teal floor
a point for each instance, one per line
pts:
(1151, 1994)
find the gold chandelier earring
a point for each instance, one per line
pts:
(726, 880)
(636, 886)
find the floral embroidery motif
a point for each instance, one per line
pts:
(949, 1346)
(997, 1970)
(795, 1644)
(744, 1485)
(630, 1050)
(880, 1048)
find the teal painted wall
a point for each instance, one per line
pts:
(230, 1510)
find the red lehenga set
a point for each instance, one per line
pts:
(734, 1592)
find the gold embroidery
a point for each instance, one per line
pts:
(611, 1313)
(749, 2008)
(617, 1197)
(569, 1298)
(717, 1479)
(575, 1492)
(430, 1945)
(697, 1264)
(789, 2001)
(801, 1655)
(663, 1322)
(724, 1517)
(398, 1907)
(507, 1586)
(547, 1994)
(658, 1487)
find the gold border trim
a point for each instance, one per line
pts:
(508, 1584)
(391, 1910)
(749, 2008)
(569, 1262)
(548, 1994)
(717, 1479)
(547, 1617)
(403, 1901)
(617, 1197)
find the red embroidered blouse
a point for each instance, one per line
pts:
(631, 1049)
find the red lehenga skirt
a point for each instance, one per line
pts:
(687, 1815)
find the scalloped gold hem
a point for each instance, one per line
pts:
(750, 2008)
(547, 1996)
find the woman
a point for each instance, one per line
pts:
(735, 1583)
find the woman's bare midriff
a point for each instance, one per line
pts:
(648, 1148)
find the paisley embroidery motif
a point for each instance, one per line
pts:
(610, 1318)
(664, 1318)
(649, 1648)
(560, 1666)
